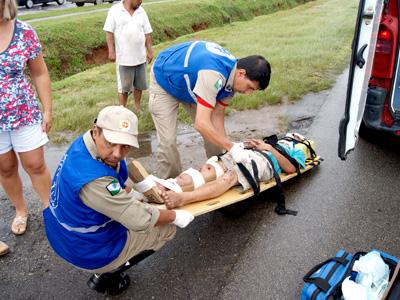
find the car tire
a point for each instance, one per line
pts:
(60, 2)
(98, 2)
(80, 4)
(29, 4)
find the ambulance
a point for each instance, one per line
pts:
(373, 89)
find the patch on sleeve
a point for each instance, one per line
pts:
(218, 84)
(114, 187)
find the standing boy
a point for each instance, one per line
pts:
(128, 31)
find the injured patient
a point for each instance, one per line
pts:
(220, 173)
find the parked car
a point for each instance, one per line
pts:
(95, 2)
(373, 90)
(30, 3)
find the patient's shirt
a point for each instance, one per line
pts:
(296, 153)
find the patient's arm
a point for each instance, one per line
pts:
(210, 190)
(283, 162)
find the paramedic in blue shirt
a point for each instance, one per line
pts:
(93, 222)
(203, 77)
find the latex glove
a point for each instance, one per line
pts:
(138, 196)
(182, 218)
(239, 155)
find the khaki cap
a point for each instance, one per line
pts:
(119, 124)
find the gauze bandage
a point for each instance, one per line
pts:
(150, 181)
(217, 168)
(197, 178)
(170, 184)
(145, 185)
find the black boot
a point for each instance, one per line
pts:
(116, 282)
(110, 283)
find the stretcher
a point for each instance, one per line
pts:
(137, 173)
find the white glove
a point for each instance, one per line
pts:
(182, 218)
(138, 196)
(239, 155)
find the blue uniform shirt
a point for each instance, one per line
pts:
(176, 68)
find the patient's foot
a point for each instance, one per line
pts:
(161, 187)
(172, 199)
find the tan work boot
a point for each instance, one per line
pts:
(3, 248)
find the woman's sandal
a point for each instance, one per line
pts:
(3, 248)
(19, 225)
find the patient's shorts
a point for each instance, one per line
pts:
(264, 168)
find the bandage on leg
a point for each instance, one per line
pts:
(138, 175)
(213, 161)
(209, 171)
(170, 184)
(197, 177)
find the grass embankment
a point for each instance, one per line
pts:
(307, 47)
(69, 43)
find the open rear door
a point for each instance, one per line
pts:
(362, 57)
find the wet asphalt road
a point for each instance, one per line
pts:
(353, 205)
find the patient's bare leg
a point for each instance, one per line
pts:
(207, 171)
(209, 190)
(185, 181)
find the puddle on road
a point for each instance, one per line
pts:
(145, 146)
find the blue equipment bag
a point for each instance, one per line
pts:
(324, 281)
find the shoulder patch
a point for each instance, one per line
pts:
(113, 187)
(218, 84)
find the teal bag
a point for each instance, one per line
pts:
(324, 281)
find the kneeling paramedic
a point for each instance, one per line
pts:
(93, 222)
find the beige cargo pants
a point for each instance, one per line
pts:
(138, 242)
(163, 108)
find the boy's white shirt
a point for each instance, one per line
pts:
(129, 34)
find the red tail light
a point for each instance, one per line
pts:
(383, 54)
(384, 35)
(384, 42)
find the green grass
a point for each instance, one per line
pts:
(69, 43)
(307, 47)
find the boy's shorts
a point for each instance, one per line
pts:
(23, 139)
(131, 77)
(265, 172)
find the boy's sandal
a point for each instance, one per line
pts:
(3, 248)
(19, 225)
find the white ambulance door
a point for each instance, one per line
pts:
(362, 57)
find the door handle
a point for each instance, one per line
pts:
(360, 61)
